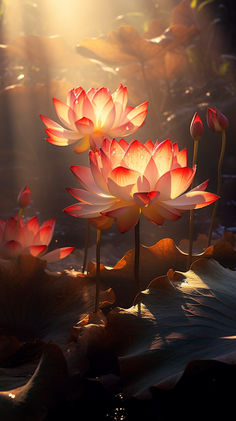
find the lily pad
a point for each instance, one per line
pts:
(154, 261)
(172, 324)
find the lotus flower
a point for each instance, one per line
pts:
(216, 120)
(20, 237)
(92, 116)
(23, 198)
(125, 180)
(196, 127)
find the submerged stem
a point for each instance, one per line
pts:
(219, 182)
(86, 246)
(191, 217)
(98, 273)
(136, 257)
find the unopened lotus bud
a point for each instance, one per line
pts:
(216, 121)
(196, 127)
(24, 197)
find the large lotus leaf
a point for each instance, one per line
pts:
(154, 261)
(120, 46)
(37, 307)
(36, 303)
(31, 400)
(172, 324)
(125, 45)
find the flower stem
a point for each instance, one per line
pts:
(136, 257)
(19, 216)
(191, 217)
(98, 273)
(219, 182)
(86, 246)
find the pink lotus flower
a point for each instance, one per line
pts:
(196, 127)
(20, 237)
(92, 116)
(125, 180)
(216, 120)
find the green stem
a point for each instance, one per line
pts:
(136, 257)
(86, 246)
(98, 273)
(191, 218)
(219, 182)
(19, 215)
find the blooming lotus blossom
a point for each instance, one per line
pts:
(92, 116)
(20, 237)
(125, 180)
(216, 120)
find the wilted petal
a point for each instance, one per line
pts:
(58, 254)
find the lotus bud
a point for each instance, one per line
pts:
(23, 198)
(216, 121)
(196, 127)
